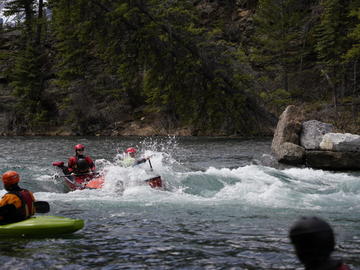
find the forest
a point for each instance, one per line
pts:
(220, 67)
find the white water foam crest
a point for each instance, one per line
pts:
(291, 188)
(249, 185)
(255, 187)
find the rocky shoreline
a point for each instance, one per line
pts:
(150, 126)
(313, 143)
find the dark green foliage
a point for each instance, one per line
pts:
(354, 34)
(27, 71)
(331, 32)
(207, 72)
(158, 50)
(278, 39)
(332, 43)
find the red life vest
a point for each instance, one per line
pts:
(27, 208)
(72, 163)
(343, 267)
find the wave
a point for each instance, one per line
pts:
(250, 185)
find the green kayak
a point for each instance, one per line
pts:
(41, 226)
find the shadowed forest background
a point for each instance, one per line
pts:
(100, 67)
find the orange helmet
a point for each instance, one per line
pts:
(10, 178)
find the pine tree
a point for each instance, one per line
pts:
(354, 35)
(279, 48)
(163, 54)
(27, 75)
(332, 43)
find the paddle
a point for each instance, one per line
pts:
(150, 164)
(81, 174)
(42, 207)
(60, 164)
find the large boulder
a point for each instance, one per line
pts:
(342, 142)
(331, 160)
(291, 153)
(312, 133)
(287, 131)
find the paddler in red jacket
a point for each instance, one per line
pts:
(17, 204)
(75, 161)
(314, 241)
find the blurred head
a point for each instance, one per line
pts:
(131, 151)
(79, 149)
(10, 178)
(313, 239)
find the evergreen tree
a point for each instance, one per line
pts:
(27, 75)
(332, 42)
(162, 53)
(279, 47)
(354, 35)
(353, 54)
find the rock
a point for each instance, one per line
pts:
(321, 149)
(341, 142)
(290, 153)
(331, 160)
(287, 131)
(312, 133)
(288, 127)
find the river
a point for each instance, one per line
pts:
(228, 205)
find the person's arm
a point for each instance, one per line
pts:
(71, 164)
(8, 204)
(91, 163)
(140, 161)
(6, 210)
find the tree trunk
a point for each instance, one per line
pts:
(39, 23)
(333, 87)
(28, 18)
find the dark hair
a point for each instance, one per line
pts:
(313, 239)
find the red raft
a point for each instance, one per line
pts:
(87, 181)
(96, 181)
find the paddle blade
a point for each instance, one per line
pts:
(155, 182)
(42, 207)
(58, 164)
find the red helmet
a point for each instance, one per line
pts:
(10, 178)
(79, 147)
(131, 150)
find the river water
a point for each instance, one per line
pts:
(227, 205)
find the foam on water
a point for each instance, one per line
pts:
(245, 185)
(226, 204)
(251, 185)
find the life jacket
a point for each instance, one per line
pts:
(27, 208)
(332, 264)
(82, 166)
(73, 163)
(127, 161)
(343, 267)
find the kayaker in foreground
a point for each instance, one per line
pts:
(128, 159)
(314, 241)
(17, 204)
(76, 164)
